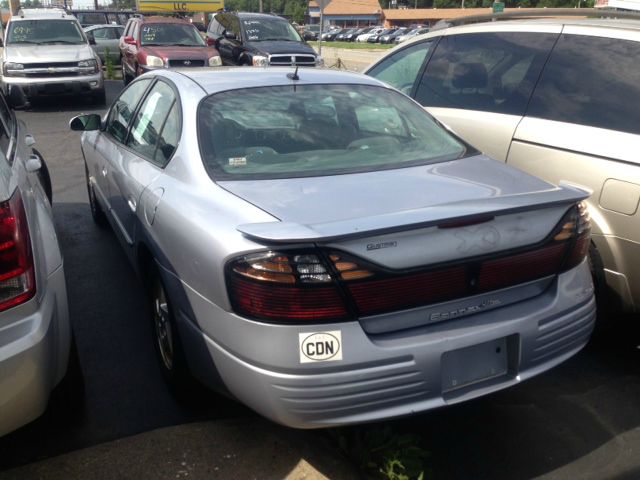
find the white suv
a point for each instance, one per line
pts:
(47, 53)
(556, 97)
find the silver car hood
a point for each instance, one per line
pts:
(47, 53)
(335, 207)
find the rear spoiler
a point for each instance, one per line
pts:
(288, 232)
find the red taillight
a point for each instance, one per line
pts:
(396, 293)
(286, 304)
(515, 269)
(17, 276)
(312, 286)
(285, 287)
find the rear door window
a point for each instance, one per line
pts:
(593, 81)
(123, 108)
(147, 130)
(493, 72)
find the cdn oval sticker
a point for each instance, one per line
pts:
(320, 346)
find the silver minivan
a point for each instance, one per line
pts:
(557, 98)
(47, 54)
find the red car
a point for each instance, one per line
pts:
(163, 42)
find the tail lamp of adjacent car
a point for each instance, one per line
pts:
(326, 285)
(17, 276)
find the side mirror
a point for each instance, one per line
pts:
(229, 35)
(83, 123)
(16, 97)
(129, 40)
(92, 39)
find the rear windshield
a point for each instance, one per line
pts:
(45, 32)
(309, 130)
(91, 18)
(171, 34)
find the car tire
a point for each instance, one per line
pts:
(166, 338)
(100, 97)
(97, 213)
(44, 177)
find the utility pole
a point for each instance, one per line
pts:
(259, 7)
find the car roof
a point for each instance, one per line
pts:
(259, 15)
(597, 22)
(218, 79)
(522, 24)
(102, 25)
(42, 14)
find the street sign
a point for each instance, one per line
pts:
(179, 6)
(498, 7)
(322, 3)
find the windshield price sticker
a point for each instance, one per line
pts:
(320, 346)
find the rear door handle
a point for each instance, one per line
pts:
(132, 204)
(104, 172)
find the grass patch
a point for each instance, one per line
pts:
(354, 45)
(108, 64)
(382, 453)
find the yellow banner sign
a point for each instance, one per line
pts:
(171, 6)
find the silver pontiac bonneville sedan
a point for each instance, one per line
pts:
(317, 245)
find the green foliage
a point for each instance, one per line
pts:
(122, 4)
(108, 64)
(296, 10)
(514, 3)
(384, 454)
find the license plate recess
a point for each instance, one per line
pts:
(474, 364)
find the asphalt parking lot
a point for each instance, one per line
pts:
(581, 420)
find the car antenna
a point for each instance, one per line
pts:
(294, 75)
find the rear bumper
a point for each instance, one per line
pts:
(393, 374)
(33, 355)
(39, 87)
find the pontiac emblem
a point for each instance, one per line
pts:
(187, 62)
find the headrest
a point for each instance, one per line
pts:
(469, 75)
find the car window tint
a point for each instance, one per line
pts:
(401, 69)
(493, 72)
(149, 121)
(233, 25)
(101, 33)
(123, 108)
(113, 33)
(91, 18)
(274, 132)
(168, 139)
(591, 81)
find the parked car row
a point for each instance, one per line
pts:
(314, 242)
